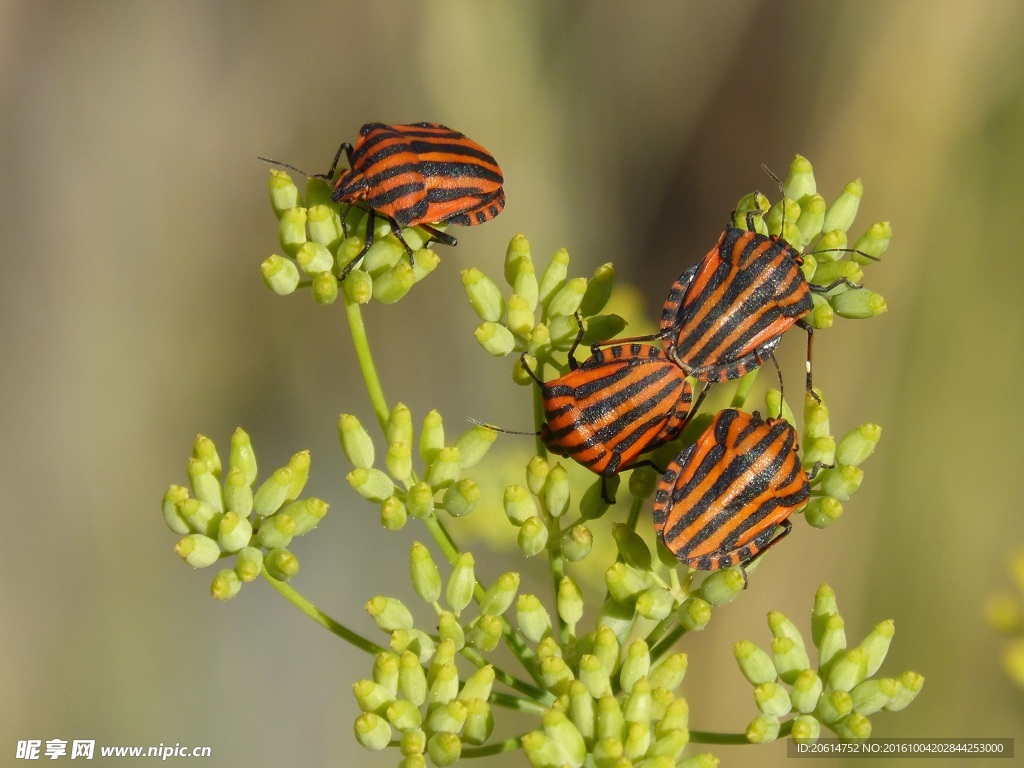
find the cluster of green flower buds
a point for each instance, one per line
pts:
(1005, 612)
(539, 317)
(230, 515)
(314, 241)
(840, 693)
(820, 230)
(398, 487)
(841, 476)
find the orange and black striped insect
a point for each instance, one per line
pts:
(721, 500)
(415, 176)
(726, 315)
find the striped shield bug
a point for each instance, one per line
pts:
(415, 176)
(720, 500)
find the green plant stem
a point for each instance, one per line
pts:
(369, 371)
(508, 701)
(321, 618)
(739, 398)
(665, 645)
(713, 737)
(508, 745)
(634, 513)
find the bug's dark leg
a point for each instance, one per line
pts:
(696, 405)
(604, 491)
(778, 371)
(810, 339)
(817, 467)
(529, 370)
(786, 526)
(347, 149)
(371, 219)
(835, 283)
(396, 230)
(660, 336)
(438, 235)
(573, 365)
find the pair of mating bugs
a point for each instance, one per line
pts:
(721, 500)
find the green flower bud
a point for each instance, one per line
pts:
(537, 470)
(632, 548)
(820, 449)
(775, 216)
(874, 242)
(347, 251)
(283, 192)
(642, 482)
(371, 484)
(399, 461)
(876, 645)
(519, 318)
(756, 202)
(553, 277)
(790, 658)
(386, 255)
(418, 643)
(859, 304)
(325, 288)
(625, 583)
(581, 710)
(676, 718)
(444, 748)
(822, 315)
(420, 500)
(822, 511)
(594, 676)
(519, 505)
(533, 536)
(539, 337)
(478, 685)
(233, 532)
(431, 437)
(399, 426)
(485, 633)
(385, 672)
(404, 716)
(424, 261)
(858, 444)
(566, 300)
(843, 210)
(426, 579)
(171, 511)
(358, 287)
(562, 331)
(669, 673)
(609, 753)
(281, 564)
(445, 469)
(448, 628)
(291, 230)
(815, 418)
(393, 513)
(204, 484)
(635, 666)
(842, 482)
(667, 750)
(848, 670)
(197, 550)
(592, 504)
(777, 406)
(772, 699)
(460, 499)
(325, 232)
(853, 726)
(829, 272)
(499, 596)
(314, 258)
(372, 731)
(638, 740)
(479, 722)
(871, 696)
(518, 251)
(830, 249)
(390, 286)
(602, 328)
(306, 514)
(445, 684)
(832, 644)
(495, 339)
(806, 729)
(807, 689)
(389, 613)
(722, 587)
(412, 745)
(599, 290)
(606, 648)
(824, 608)
(540, 750)
(800, 179)
(555, 675)
(756, 665)
(248, 563)
(273, 493)
(474, 444)
(204, 450)
(448, 717)
(524, 282)
(576, 543)
(299, 466)
(911, 684)
(225, 584)
(459, 592)
(412, 680)
(694, 614)
(280, 274)
(560, 730)
(812, 217)
(532, 618)
(655, 603)
(555, 492)
(237, 493)
(763, 729)
(372, 697)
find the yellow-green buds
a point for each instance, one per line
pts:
(461, 583)
(281, 564)
(772, 699)
(371, 483)
(532, 618)
(474, 444)
(273, 492)
(636, 665)
(842, 482)
(519, 505)
(858, 444)
(431, 437)
(314, 258)
(358, 286)
(599, 290)
(197, 550)
(669, 673)
(248, 563)
(722, 587)
(412, 679)
(520, 318)
(445, 468)
(576, 543)
(495, 339)
(570, 602)
(858, 304)
(800, 179)
(372, 731)
(553, 277)
(806, 691)
(843, 211)
(444, 748)
(532, 537)
(426, 579)
(763, 729)
(755, 664)
(822, 511)
(632, 548)
(171, 511)
(499, 596)
(355, 441)
(225, 584)
(399, 461)
(812, 217)
(874, 242)
(276, 531)
(484, 633)
(280, 274)
(420, 500)
(389, 614)
(694, 614)
(460, 499)
(283, 192)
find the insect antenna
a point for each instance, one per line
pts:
(485, 425)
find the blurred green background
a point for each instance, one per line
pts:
(134, 216)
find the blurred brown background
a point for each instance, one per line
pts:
(134, 219)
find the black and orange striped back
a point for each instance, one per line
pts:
(721, 500)
(726, 315)
(623, 401)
